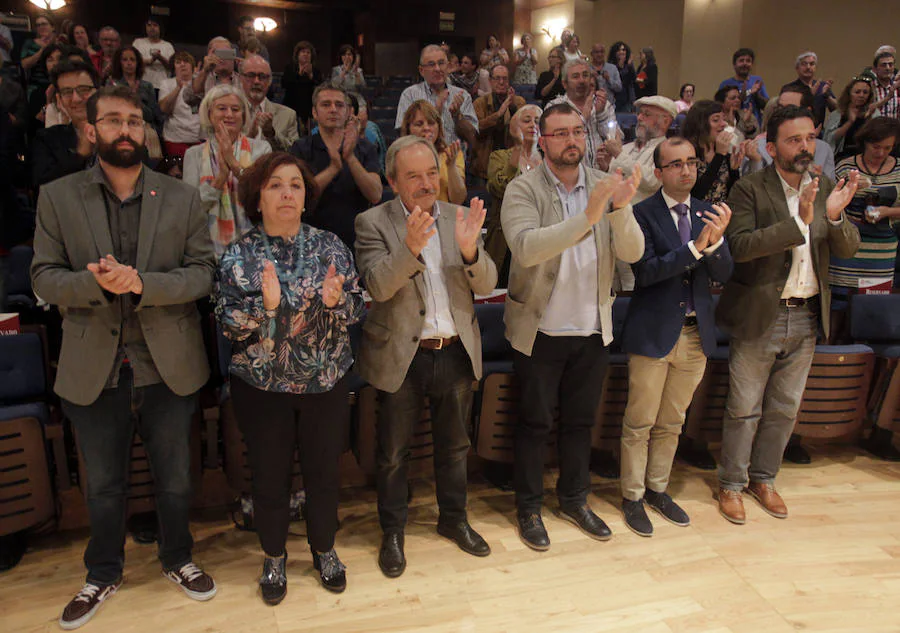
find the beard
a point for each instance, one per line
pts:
(563, 160)
(121, 158)
(799, 164)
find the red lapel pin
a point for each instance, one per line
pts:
(153, 192)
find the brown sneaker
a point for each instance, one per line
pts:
(731, 506)
(769, 499)
(85, 604)
(195, 582)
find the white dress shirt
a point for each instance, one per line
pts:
(671, 202)
(802, 281)
(438, 317)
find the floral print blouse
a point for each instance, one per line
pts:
(302, 346)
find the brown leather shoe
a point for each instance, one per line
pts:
(731, 506)
(769, 499)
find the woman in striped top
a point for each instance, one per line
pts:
(874, 209)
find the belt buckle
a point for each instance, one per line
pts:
(440, 343)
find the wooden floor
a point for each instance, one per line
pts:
(834, 565)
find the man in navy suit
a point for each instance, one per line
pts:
(669, 330)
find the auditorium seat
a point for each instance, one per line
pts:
(875, 321)
(20, 297)
(373, 81)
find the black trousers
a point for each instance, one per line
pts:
(272, 424)
(564, 372)
(445, 376)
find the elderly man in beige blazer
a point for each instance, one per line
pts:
(272, 122)
(565, 224)
(422, 260)
(125, 252)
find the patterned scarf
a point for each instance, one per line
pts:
(226, 218)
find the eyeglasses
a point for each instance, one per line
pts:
(83, 91)
(678, 165)
(42, 24)
(578, 132)
(432, 65)
(114, 122)
(263, 77)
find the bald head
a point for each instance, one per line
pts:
(256, 78)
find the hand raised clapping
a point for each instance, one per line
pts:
(332, 287)
(468, 228)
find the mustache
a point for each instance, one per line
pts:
(125, 139)
(425, 192)
(803, 156)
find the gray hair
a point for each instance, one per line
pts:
(218, 38)
(573, 64)
(216, 93)
(110, 28)
(804, 55)
(402, 143)
(431, 48)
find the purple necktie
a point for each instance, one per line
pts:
(684, 230)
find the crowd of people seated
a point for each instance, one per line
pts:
(156, 188)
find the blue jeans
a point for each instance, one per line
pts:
(105, 430)
(767, 379)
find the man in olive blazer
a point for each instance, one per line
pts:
(421, 261)
(785, 227)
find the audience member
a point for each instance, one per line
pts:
(422, 261)
(887, 84)
(494, 53)
(525, 62)
(550, 83)
(647, 77)
(6, 43)
(559, 313)
(423, 120)
(453, 64)
(620, 56)
(156, 53)
(127, 70)
(669, 330)
(597, 113)
(739, 119)
(65, 149)
(217, 69)
(142, 378)
(494, 112)
(39, 90)
(299, 80)
(13, 102)
(348, 75)
(752, 88)
(246, 31)
(775, 304)
(30, 53)
(718, 167)
(823, 97)
(367, 129)
(685, 98)
(272, 122)
(298, 392)
(216, 166)
(467, 75)
(110, 42)
(607, 74)
(454, 104)
(570, 49)
(182, 127)
(856, 106)
(346, 167)
(81, 39)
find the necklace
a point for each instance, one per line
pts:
(868, 170)
(297, 244)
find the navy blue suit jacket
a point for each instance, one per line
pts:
(656, 312)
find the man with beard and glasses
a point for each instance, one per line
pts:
(752, 87)
(275, 123)
(125, 253)
(422, 261)
(785, 227)
(565, 225)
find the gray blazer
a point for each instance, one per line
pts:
(175, 260)
(538, 232)
(284, 120)
(395, 280)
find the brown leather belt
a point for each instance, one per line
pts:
(437, 343)
(690, 321)
(798, 302)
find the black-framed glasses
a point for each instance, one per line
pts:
(432, 65)
(83, 91)
(578, 132)
(116, 122)
(678, 165)
(263, 77)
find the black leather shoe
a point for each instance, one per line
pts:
(532, 531)
(667, 508)
(881, 444)
(331, 570)
(636, 517)
(796, 454)
(273, 582)
(390, 557)
(590, 523)
(463, 535)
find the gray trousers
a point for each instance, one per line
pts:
(767, 379)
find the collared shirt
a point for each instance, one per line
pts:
(614, 84)
(802, 281)
(423, 91)
(438, 317)
(596, 124)
(124, 221)
(572, 309)
(642, 156)
(891, 107)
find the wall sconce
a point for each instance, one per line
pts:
(49, 5)
(265, 25)
(554, 28)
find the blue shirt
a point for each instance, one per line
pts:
(749, 101)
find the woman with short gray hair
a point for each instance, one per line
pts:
(215, 170)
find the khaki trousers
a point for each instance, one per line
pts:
(659, 392)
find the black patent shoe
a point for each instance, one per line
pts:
(465, 537)
(273, 582)
(331, 570)
(584, 518)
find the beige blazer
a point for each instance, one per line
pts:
(537, 233)
(395, 280)
(284, 120)
(175, 260)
